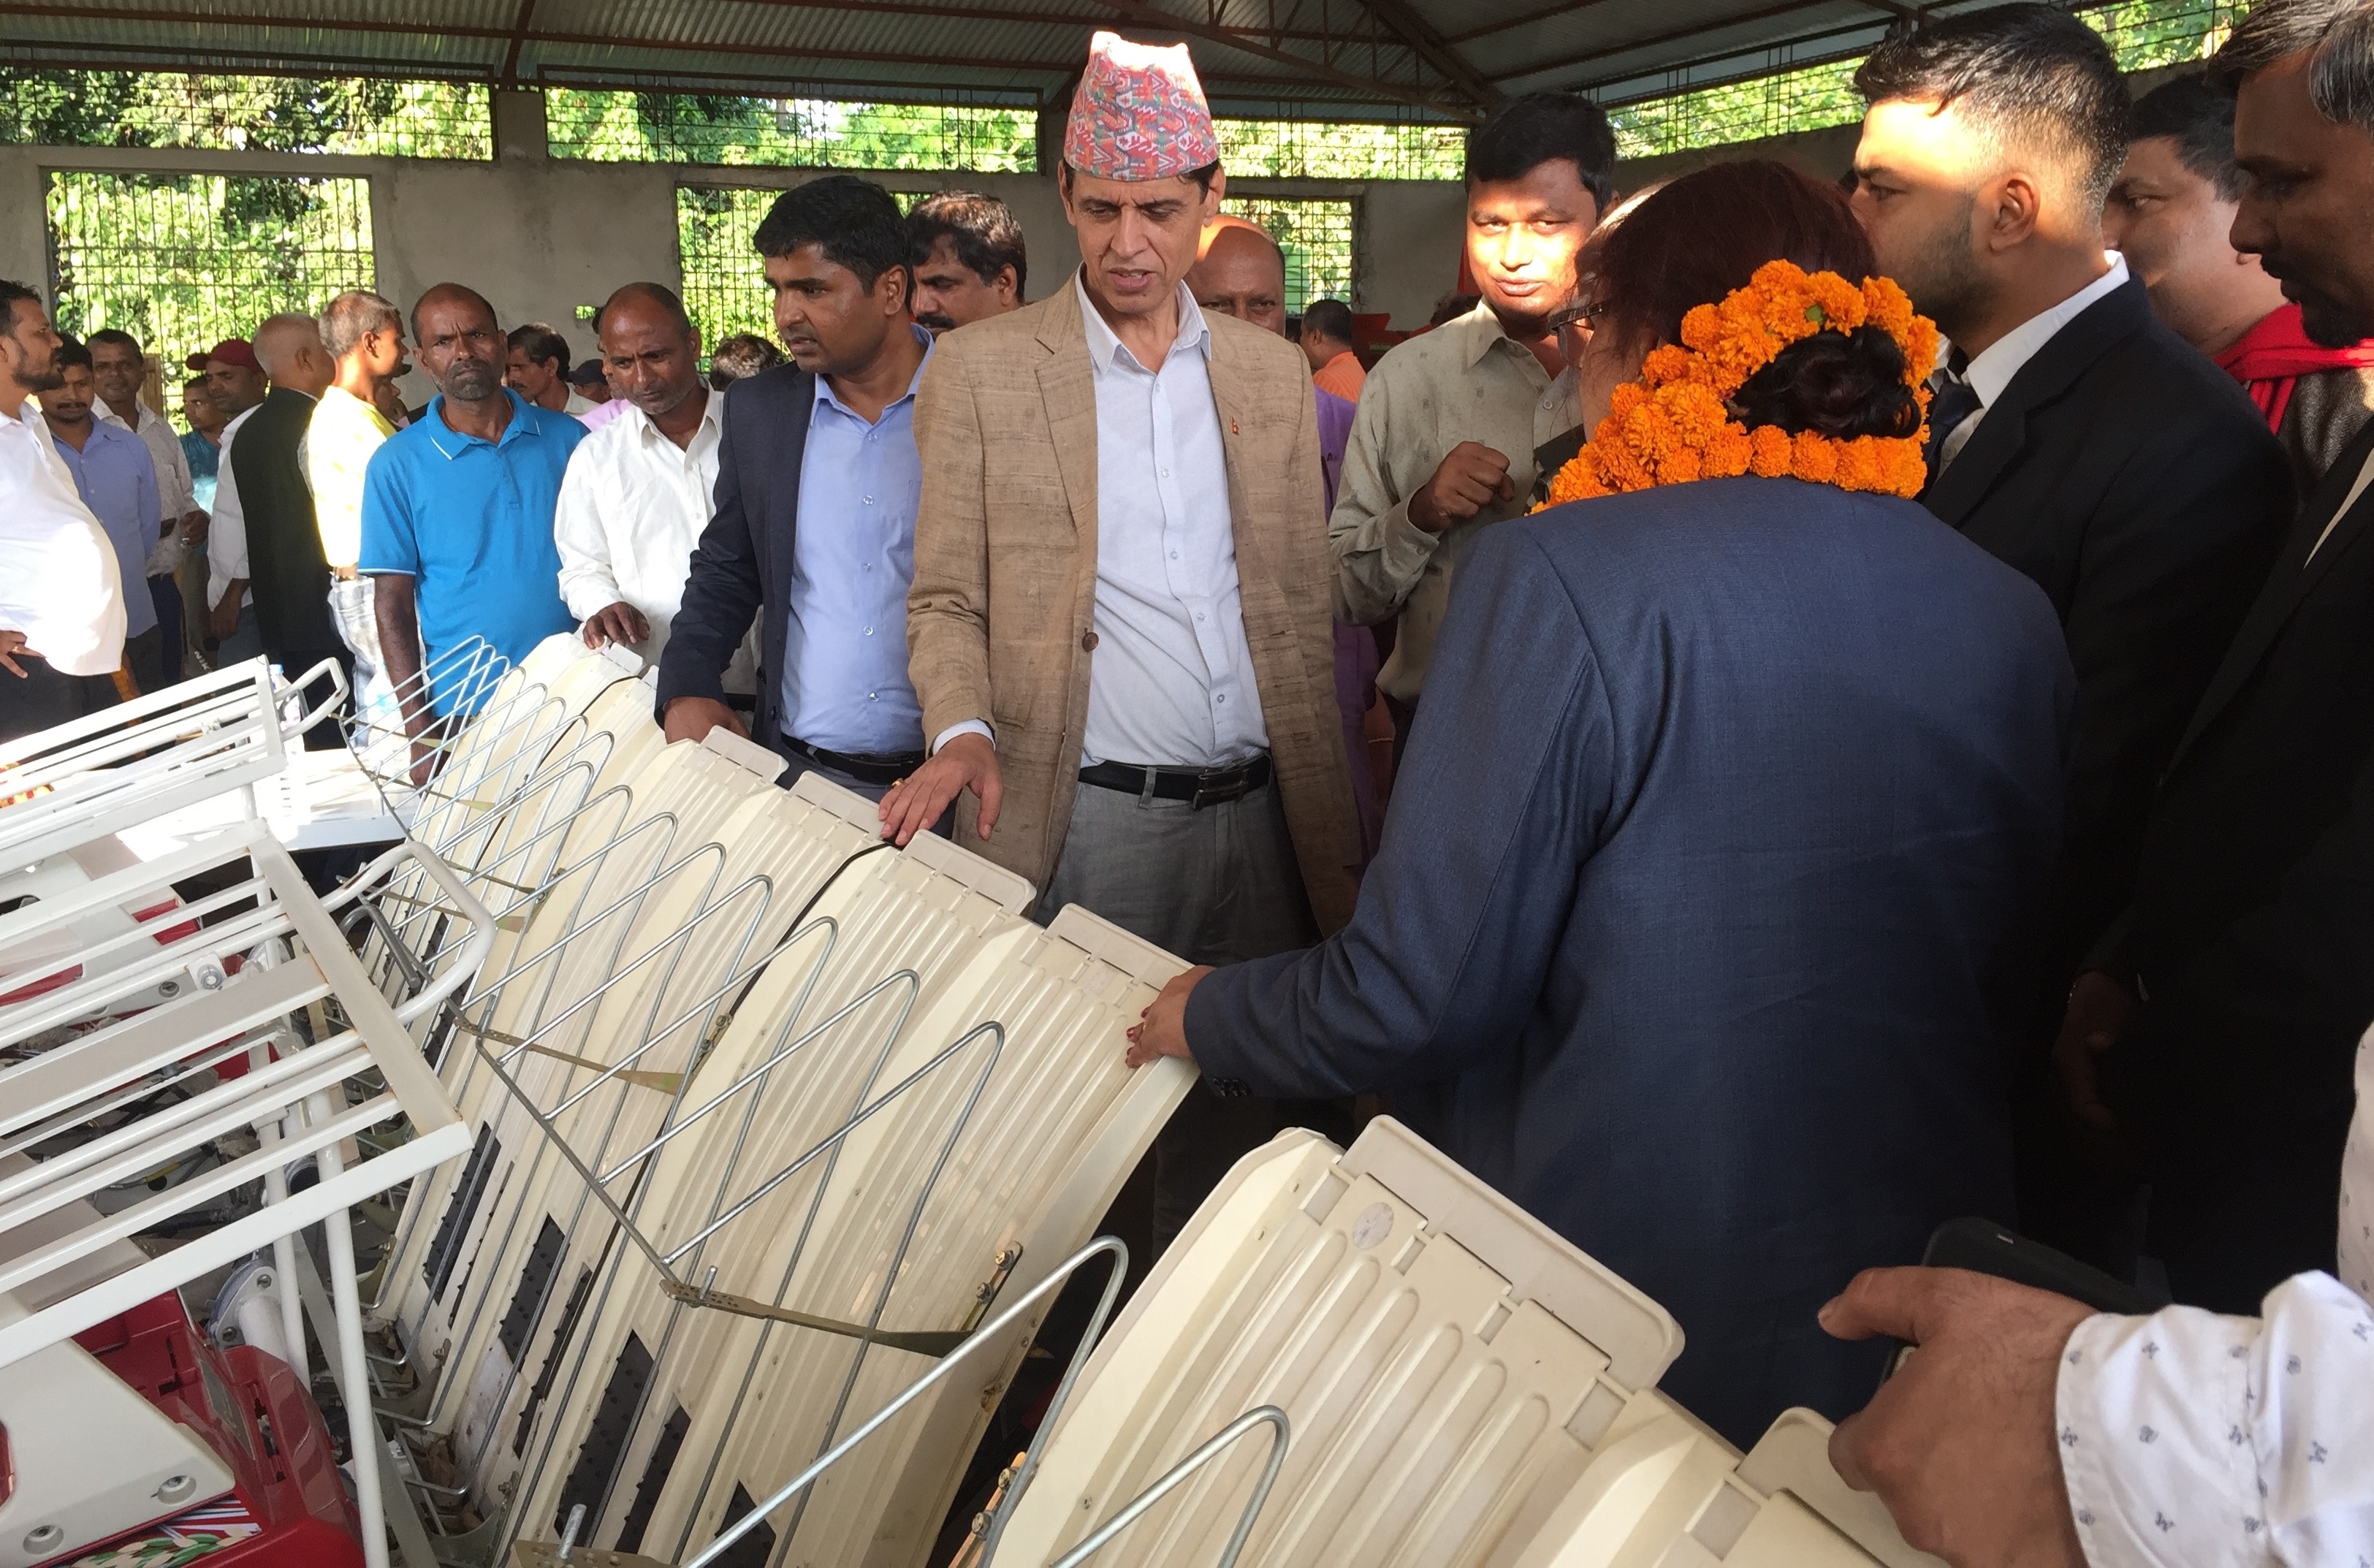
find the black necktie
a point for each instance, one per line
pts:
(1953, 401)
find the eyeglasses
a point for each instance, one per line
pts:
(1583, 313)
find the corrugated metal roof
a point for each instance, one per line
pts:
(1428, 59)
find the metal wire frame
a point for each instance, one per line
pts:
(678, 1286)
(577, 931)
(469, 672)
(1212, 1448)
(555, 1141)
(505, 896)
(489, 995)
(990, 1333)
(676, 944)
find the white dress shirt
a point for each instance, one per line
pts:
(227, 535)
(2212, 1442)
(1990, 372)
(177, 495)
(59, 581)
(632, 506)
(1174, 681)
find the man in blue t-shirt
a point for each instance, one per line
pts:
(457, 520)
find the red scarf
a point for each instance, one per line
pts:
(2270, 358)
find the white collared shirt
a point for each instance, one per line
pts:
(59, 581)
(1173, 675)
(227, 535)
(2222, 1442)
(632, 506)
(1991, 372)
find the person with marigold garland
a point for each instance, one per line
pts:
(1695, 922)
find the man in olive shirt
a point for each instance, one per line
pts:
(1444, 440)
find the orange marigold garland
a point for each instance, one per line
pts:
(1673, 425)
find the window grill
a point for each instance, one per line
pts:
(1317, 238)
(1802, 100)
(811, 133)
(1311, 149)
(347, 114)
(183, 261)
(804, 133)
(2145, 34)
(725, 279)
(2142, 35)
(724, 288)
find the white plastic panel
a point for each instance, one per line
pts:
(578, 956)
(926, 908)
(91, 1459)
(607, 852)
(1663, 1492)
(1060, 1123)
(1438, 1407)
(781, 849)
(574, 802)
(533, 711)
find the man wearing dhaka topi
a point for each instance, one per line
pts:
(1138, 707)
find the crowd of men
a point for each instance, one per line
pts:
(1106, 584)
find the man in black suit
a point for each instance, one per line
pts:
(2079, 440)
(2232, 999)
(814, 527)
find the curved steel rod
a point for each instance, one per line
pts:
(1107, 1245)
(1260, 1414)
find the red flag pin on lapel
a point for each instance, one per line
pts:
(1232, 428)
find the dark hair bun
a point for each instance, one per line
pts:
(1836, 384)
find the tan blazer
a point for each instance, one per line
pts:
(1000, 621)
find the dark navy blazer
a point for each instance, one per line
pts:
(1700, 892)
(743, 566)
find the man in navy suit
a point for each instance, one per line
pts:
(813, 530)
(1731, 798)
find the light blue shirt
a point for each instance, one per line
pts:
(845, 686)
(1172, 682)
(470, 522)
(117, 480)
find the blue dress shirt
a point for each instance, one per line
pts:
(845, 686)
(118, 481)
(470, 522)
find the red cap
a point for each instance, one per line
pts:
(231, 350)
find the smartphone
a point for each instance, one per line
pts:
(1984, 1247)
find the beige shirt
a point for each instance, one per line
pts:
(1465, 381)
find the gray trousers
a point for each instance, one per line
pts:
(1216, 886)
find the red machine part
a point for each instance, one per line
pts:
(288, 1508)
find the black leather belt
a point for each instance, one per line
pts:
(872, 767)
(1207, 786)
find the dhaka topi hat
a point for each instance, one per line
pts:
(1139, 113)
